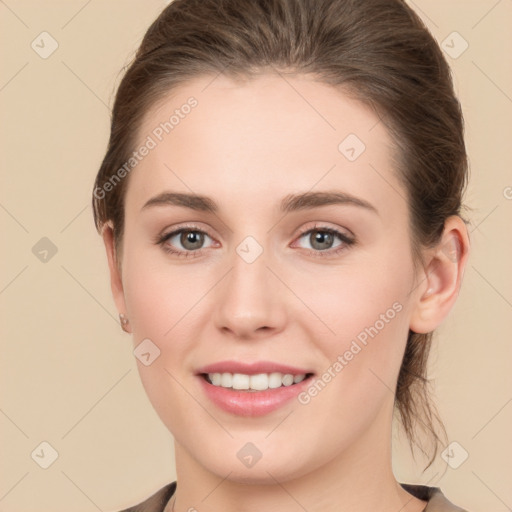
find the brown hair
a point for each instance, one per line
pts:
(379, 51)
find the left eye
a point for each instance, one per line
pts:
(322, 239)
(190, 240)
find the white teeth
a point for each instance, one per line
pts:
(240, 381)
(287, 380)
(216, 378)
(275, 380)
(226, 380)
(258, 382)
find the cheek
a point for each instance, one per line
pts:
(368, 313)
(359, 301)
(366, 307)
(159, 296)
(166, 304)
(163, 302)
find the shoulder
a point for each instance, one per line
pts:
(437, 501)
(156, 502)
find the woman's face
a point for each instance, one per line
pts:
(321, 284)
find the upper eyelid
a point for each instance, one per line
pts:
(325, 227)
(179, 229)
(318, 226)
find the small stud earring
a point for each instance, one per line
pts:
(124, 322)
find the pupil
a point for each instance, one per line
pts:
(321, 237)
(191, 239)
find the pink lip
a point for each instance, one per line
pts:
(251, 403)
(251, 368)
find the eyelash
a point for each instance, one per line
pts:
(347, 241)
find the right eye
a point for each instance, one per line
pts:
(190, 238)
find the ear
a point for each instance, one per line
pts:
(116, 282)
(442, 277)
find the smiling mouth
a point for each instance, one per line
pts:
(254, 383)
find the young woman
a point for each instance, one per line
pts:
(280, 203)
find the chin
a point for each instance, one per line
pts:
(264, 471)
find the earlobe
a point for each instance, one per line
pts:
(442, 277)
(116, 282)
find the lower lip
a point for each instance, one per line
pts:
(252, 403)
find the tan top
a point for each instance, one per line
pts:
(433, 495)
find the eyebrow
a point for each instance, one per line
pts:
(292, 202)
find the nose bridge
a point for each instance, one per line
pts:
(250, 298)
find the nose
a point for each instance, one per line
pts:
(250, 301)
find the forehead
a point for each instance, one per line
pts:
(273, 131)
(289, 105)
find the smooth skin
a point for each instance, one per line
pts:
(247, 145)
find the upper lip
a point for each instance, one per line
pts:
(251, 368)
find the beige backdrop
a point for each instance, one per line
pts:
(68, 375)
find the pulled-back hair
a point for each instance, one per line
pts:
(377, 51)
